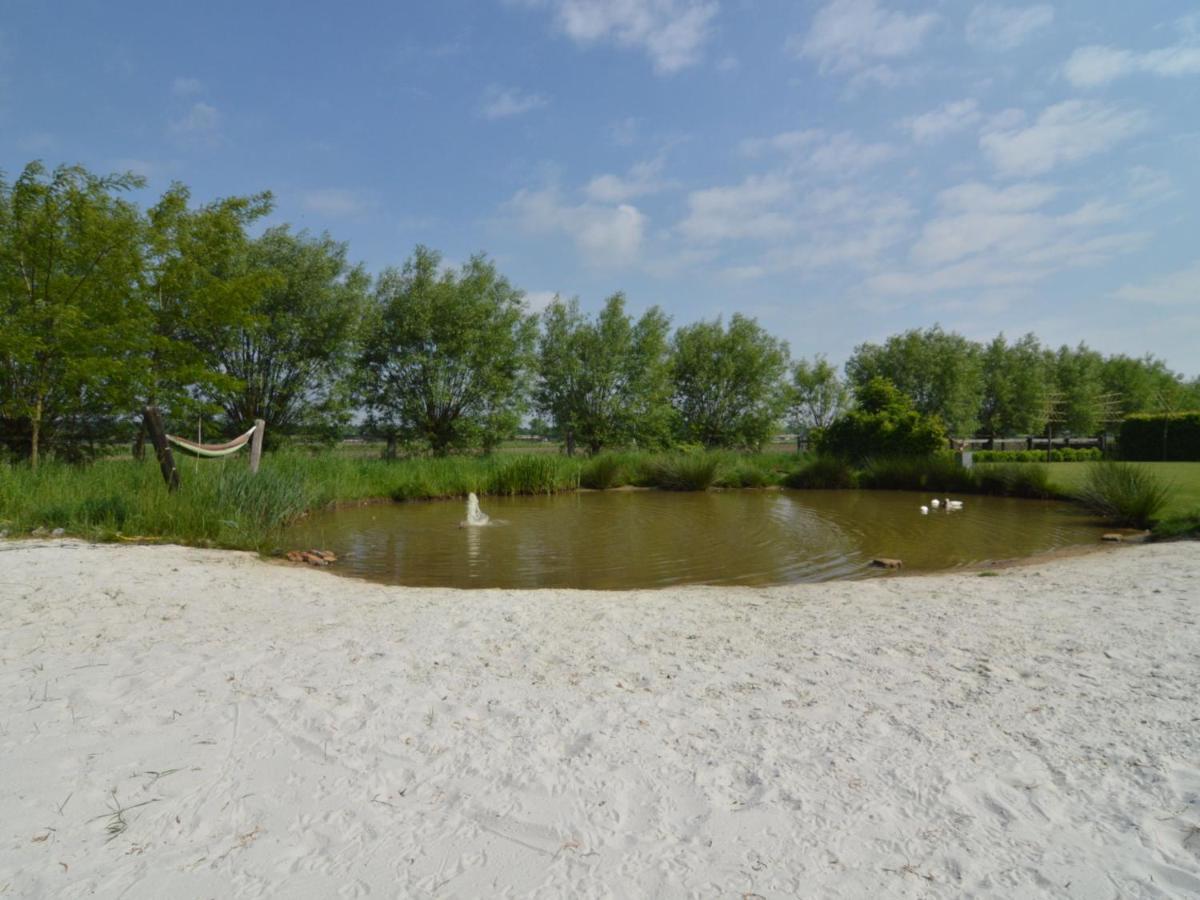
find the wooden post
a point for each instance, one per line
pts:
(256, 444)
(162, 449)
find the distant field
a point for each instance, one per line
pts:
(1182, 478)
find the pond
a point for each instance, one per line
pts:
(639, 539)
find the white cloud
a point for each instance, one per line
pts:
(995, 27)
(839, 155)
(753, 209)
(1064, 133)
(643, 178)
(536, 301)
(605, 235)
(985, 237)
(338, 203)
(187, 87)
(199, 126)
(671, 32)
(858, 37)
(502, 103)
(1094, 66)
(1180, 288)
(947, 119)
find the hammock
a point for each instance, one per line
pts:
(210, 450)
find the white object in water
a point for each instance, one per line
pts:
(475, 516)
(954, 504)
(924, 510)
(935, 503)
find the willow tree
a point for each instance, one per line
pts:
(446, 357)
(728, 382)
(288, 360)
(70, 260)
(605, 382)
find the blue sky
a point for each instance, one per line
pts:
(840, 170)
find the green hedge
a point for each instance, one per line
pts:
(1066, 454)
(1142, 437)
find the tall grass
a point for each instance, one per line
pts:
(1123, 494)
(682, 471)
(823, 473)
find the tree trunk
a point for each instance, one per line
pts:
(389, 452)
(139, 443)
(35, 433)
(570, 442)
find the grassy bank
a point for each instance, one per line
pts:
(220, 504)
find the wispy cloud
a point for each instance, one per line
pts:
(187, 87)
(337, 203)
(642, 179)
(200, 126)
(1064, 133)
(947, 119)
(606, 235)
(984, 237)
(860, 38)
(503, 103)
(841, 154)
(1178, 288)
(1095, 66)
(994, 27)
(671, 32)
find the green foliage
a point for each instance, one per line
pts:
(603, 471)
(682, 471)
(288, 359)
(1063, 454)
(939, 473)
(1016, 383)
(729, 389)
(941, 373)
(1016, 481)
(1178, 528)
(607, 382)
(884, 424)
(1169, 436)
(73, 329)
(1123, 494)
(823, 472)
(816, 396)
(446, 354)
(540, 474)
(1077, 379)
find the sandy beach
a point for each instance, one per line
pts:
(188, 723)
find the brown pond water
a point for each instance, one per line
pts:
(624, 540)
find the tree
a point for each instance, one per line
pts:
(728, 383)
(605, 383)
(198, 292)
(817, 396)
(1016, 384)
(286, 362)
(1140, 384)
(70, 259)
(942, 373)
(447, 354)
(1077, 380)
(883, 424)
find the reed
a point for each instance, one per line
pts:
(1123, 494)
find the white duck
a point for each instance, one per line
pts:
(935, 503)
(954, 504)
(924, 510)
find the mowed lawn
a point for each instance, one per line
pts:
(1182, 480)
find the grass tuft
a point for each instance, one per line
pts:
(1123, 494)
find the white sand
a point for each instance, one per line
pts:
(1035, 734)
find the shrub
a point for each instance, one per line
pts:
(683, 471)
(1066, 454)
(1015, 480)
(823, 473)
(602, 472)
(884, 424)
(940, 472)
(534, 474)
(1123, 494)
(1173, 436)
(1179, 528)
